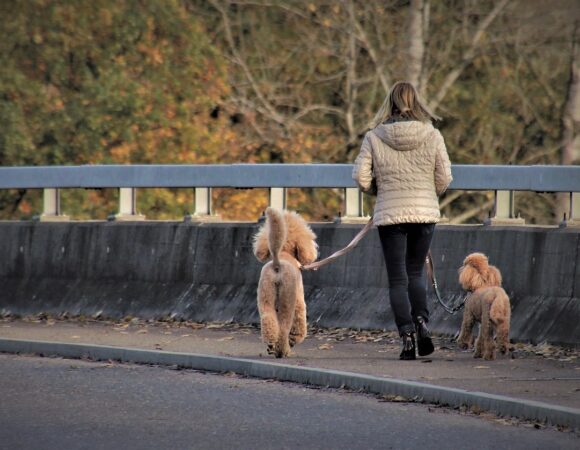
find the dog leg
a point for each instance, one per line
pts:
(299, 325)
(486, 335)
(500, 313)
(502, 337)
(286, 304)
(268, 320)
(465, 336)
(478, 346)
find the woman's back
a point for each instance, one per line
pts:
(409, 164)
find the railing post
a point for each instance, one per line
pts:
(128, 206)
(278, 198)
(573, 219)
(353, 208)
(202, 202)
(51, 211)
(504, 207)
(202, 206)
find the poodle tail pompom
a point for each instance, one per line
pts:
(277, 234)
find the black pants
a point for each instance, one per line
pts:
(405, 247)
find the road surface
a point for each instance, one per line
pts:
(62, 404)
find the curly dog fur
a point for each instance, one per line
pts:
(286, 242)
(488, 304)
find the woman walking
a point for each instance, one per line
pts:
(403, 160)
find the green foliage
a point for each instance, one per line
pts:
(105, 82)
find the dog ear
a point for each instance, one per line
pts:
(260, 245)
(493, 276)
(301, 239)
(307, 251)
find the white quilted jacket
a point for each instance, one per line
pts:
(406, 165)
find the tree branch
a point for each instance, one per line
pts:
(272, 113)
(468, 55)
(472, 212)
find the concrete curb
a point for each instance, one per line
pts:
(498, 404)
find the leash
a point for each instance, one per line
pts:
(428, 263)
(317, 264)
(431, 274)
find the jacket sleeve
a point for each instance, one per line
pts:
(443, 175)
(362, 172)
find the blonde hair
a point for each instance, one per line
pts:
(403, 101)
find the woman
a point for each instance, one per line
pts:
(403, 160)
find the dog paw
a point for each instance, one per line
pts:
(270, 349)
(282, 354)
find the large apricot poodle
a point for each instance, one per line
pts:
(487, 304)
(285, 243)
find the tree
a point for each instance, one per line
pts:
(571, 117)
(107, 82)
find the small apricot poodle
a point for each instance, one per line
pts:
(286, 242)
(488, 304)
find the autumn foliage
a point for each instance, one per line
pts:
(225, 81)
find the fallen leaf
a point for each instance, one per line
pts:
(142, 331)
(481, 367)
(324, 347)
(227, 338)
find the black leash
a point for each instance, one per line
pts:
(431, 274)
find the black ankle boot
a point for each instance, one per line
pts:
(408, 343)
(424, 342)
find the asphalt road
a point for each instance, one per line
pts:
(68, 404)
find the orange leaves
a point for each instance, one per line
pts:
(154, 55)
(247, 204)
(25, 207)
(122, 153)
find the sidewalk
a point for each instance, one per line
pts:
(540, 373)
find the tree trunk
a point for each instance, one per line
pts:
(351, 88)
(571, 121)
(416, 49)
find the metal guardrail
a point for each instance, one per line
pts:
(504, 180)
(466, 177)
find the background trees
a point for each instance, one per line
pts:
(284, 81)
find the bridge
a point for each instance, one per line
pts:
(205, 271)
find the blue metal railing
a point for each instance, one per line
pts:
(503, 180)
(466, 177)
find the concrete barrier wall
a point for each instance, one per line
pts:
(206, 272)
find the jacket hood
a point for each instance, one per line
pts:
(404, 136)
